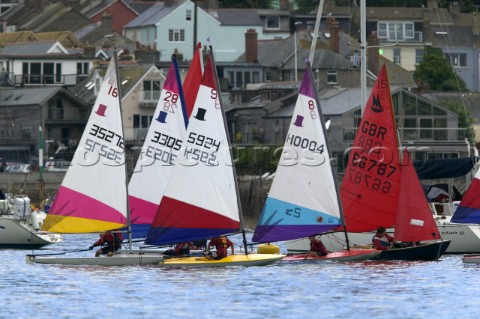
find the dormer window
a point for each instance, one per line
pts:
(396, 31)
(273, 22)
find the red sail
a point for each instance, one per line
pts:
(370, 186)
(414, 218)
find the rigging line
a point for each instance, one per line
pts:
(449, 49)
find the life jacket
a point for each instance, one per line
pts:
(118, 238)
(224, 242)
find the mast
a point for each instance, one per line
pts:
(334, 171)
(315, 32)
(40, 162)
(240, 213)
(129, 225)
(363, 55)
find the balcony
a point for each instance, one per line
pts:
(149, 99)
(10, 79)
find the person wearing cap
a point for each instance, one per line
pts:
(381, 240)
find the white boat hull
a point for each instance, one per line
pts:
(18, 233)
(115, 260)
(465, 239)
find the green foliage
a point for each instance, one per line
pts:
(465, 119)
(436, 73)
(256, 159)
(306, 6)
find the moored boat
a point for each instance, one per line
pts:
(20, 225)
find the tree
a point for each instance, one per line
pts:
(436, 73)
(306, 6)
(465, 119)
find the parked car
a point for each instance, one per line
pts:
(18, 168)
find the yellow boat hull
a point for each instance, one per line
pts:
(232, 260)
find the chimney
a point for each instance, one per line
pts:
(334, 28)
(373, 57)
(284, 5)
(107, 21)
(251, 46)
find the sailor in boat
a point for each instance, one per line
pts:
(221, 244)
(316, 247)
(180, 249)
(381, 240)
(110, 242)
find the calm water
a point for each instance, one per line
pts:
(444, 289)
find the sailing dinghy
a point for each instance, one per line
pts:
(201, 198)
(378, 191)
(468, 212)
(303, 199)
(93, 195)
(160, 149)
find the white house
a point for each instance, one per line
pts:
(41, 63)
(169, 27)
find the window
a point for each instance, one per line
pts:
(396, 56)
(141, 123)
(268, 76)
(188, 15)
(457, 59)
(273, 22)
(419, 55)
(240, 79)
(48, 73)
(332, 77)
(151, 90)
(41, 72)
(396, 31)
(176, 35)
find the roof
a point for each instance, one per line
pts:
(27, 96)
(104, 5)
(66, 38)
(127, 71)
(453, 37)
(47, 17)
(33, 49)
(397, 14)
(154, 14)
(21, 36)
(140, 6)
(236, 17)
(285, 55)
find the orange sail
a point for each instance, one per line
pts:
(414, 218)
(371, 183)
